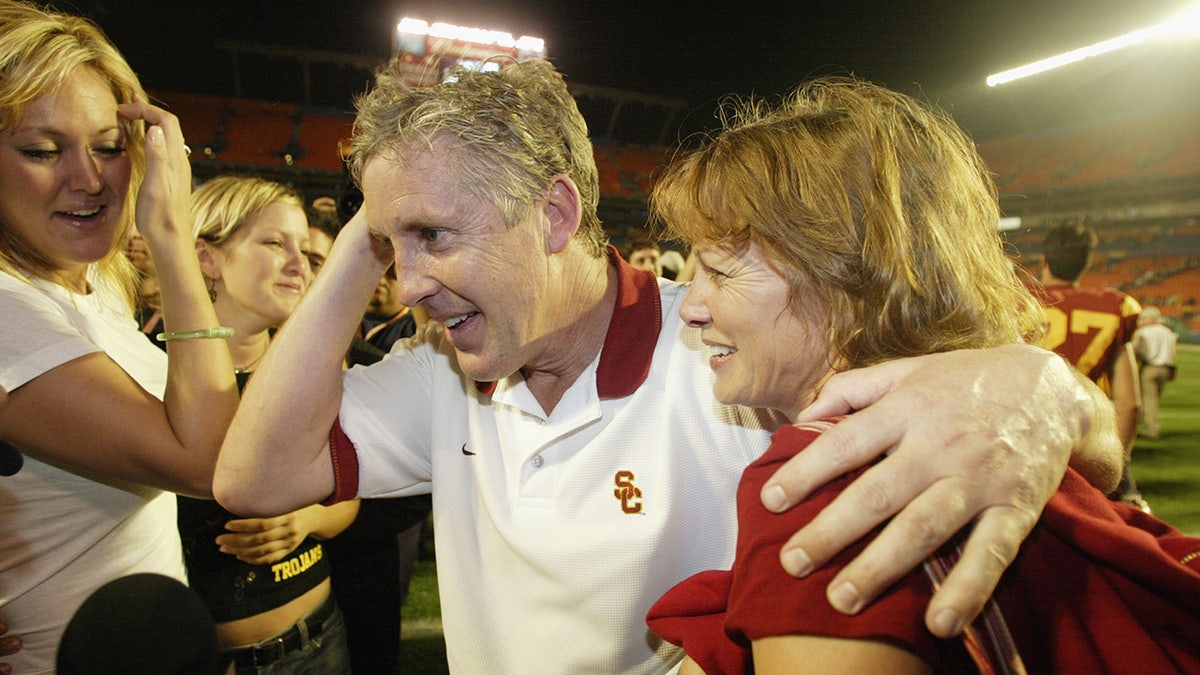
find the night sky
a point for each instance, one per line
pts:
(942, 50)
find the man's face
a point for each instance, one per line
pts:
(319, 246)
(647, 259)
(456, 257)
(384, 302)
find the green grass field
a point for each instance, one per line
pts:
(1167, 472)
(422, 649)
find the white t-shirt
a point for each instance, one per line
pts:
(556, 534)
(62, 535)
(1155, 344)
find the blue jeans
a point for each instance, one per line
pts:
(326, 654)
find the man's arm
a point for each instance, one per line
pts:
(975, 435)
(275, 458)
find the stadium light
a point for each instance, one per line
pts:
(1186, 23)
(410, 28)
(1009, 223)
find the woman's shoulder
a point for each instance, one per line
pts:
(32, 310)
(790, 440)
(38, 294)
(25, 291)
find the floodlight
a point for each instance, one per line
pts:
(1186, 23)
(412, 35)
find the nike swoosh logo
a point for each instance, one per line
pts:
(467, 452)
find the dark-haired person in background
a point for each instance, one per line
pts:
(646, 255)
(1092, 329)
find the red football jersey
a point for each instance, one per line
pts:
(1087, 326)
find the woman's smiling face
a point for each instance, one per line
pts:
(64, 174)
(765, 352)
(262, 268)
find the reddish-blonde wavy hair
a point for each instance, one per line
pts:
(866, 199)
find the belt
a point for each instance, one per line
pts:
(292, 639)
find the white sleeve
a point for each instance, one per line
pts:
(387, 413)
(36, 335)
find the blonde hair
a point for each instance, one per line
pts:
(874, 203)
(513, 130)
(222, 205)
(39, 51)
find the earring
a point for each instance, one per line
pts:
(211, 284)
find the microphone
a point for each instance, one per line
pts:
(140, 623)
(11, 459)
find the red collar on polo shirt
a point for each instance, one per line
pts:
(629, 343)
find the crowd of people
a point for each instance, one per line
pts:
(222, 395)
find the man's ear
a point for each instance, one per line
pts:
(563, 213)
(208, 263)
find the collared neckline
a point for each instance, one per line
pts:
(629, 343)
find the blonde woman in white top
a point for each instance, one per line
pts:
(104, 424)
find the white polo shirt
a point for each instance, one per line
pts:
(555, 534)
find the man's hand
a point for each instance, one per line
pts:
(981, 435)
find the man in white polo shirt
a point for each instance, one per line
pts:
(561, 412)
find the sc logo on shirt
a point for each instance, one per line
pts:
(627, 493)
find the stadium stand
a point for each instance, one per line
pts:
(259, 133)
(319, 137)
(202, 119)
(1136, 180)
(1165, 144)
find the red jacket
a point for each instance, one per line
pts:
(1098, 587)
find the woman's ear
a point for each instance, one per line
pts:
(206, 254)
(563, 213)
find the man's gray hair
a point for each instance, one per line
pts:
(512, 131)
